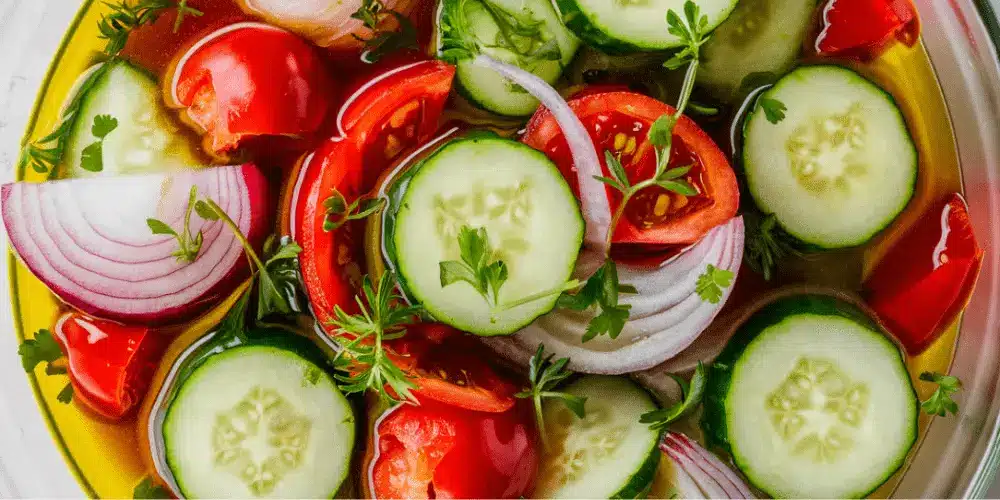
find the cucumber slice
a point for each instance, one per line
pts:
(812, 400)
(839, 167)
(760, 36)
(530, 215)
(607, 453)
(147, 139)
(258, 420)
(622, 26)
(477, 19)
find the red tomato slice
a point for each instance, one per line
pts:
(923, 283)
(439, 451)
(448, 366)
(618, 122)
(250, 80)
(110, 365)
(865, 27)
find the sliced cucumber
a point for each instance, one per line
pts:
(812, 400)
(146, 139)
(258, 420)
(478, 20)
(760, 36)
(621, 26)
(607, 453)
(530, 215)
(839, 167)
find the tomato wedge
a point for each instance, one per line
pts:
(440, 451)
(865, 27)
(110, 365)
(925, 281)
(619, 122)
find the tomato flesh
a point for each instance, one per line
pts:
(110, 365)
(864, 28)
(924, 282)
(440, 451)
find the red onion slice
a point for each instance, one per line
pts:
(593, 194)
(667, 314)
(713, 477)
(88, 241)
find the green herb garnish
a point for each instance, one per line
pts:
(602, 290)
(518, 33)
(371, 14)
(544, 375)
(117, 25)
(188, 244)
(774, 110)
(940, 403)
(92, 157)
(44, 348)
(384, 316)
(147, 489)
(691, 395)
(339, 212)
(766, 243)
(712, 282)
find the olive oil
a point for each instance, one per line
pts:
(109, 459)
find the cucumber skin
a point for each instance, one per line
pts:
(578, 22)
(804, 245)
(720, 372)
(641, 482)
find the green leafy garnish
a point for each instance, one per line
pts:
(774, 110)
(384, 316)
(44, 348)
(518, 33)
(188, 244)
(92, 157)
(940, 403)
(273, 275)
(339, 212)
(712, 282)
(766, 244)
(147, 489)
(372, 13)
(602, 289)
(691, 395)
(544, 375)
(486, 273)
(693, 33)
(125, 16)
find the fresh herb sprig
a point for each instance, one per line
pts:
(767, 243)
(44, 348)
(339, 212)
(940, 403)
(92, 156)
(480, 267)
(712, 282)
(188, 244)
(271, 275)
(601, 290)
(518, 33)
(545, 375)
(384, 316)
(372, 14)
(774, 110)
(125, 17)
(691, 394)
(693, 33)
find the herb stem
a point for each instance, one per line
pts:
(540, 420)
(251, 254)
(569, 285)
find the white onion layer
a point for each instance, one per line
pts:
(88, 240)
(328, 23)
(667, 314)
(714, 478)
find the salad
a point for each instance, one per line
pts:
(498, 249)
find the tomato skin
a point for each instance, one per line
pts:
(250, 80)
(926, 279)
(110, 365)
(453, 453)
(605, 114)
(863, 28)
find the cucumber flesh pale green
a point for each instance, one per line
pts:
(258, 421)
(146, 139)
(812, 400)
(530, 215)
(606, 454)
(839, 167)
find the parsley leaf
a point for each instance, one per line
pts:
(544, 375)
(774, 110)
(65, 396)
(384, 316)
(602, 290)
(44, 348)
(92, 156)
(103, 125)
(712, 282)
(372, 13)
(147, 489)
(940, 403)
(691, 395)
(188, 245)
(339, 212)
